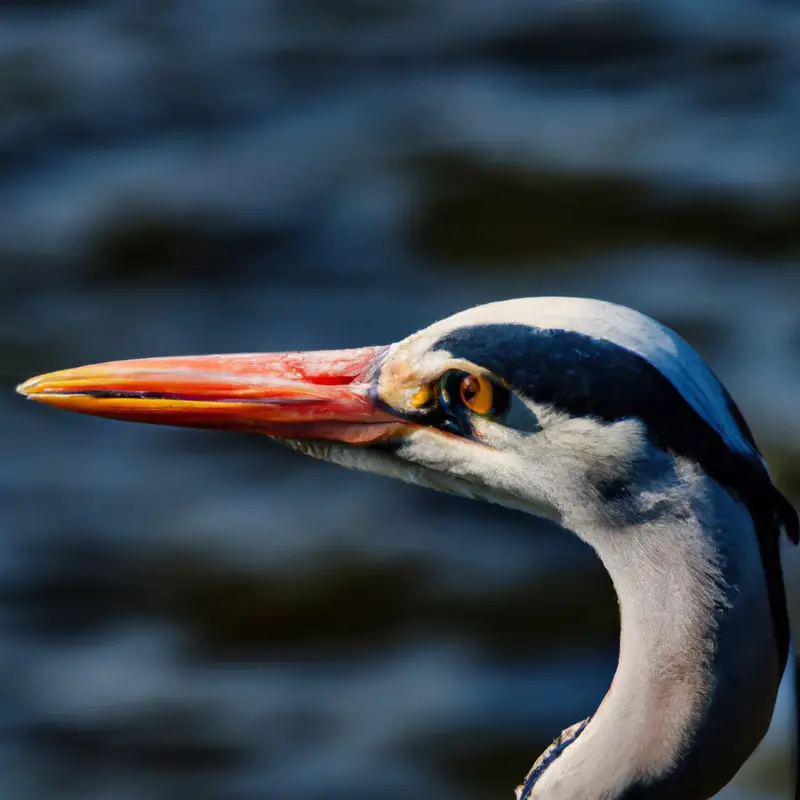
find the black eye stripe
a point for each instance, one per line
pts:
(521, 417)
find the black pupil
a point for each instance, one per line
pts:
(469, 388)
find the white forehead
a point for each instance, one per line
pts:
(621, 326)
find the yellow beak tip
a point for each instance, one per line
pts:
(34, 388)
(27, 388)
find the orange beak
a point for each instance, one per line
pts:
(315, 395)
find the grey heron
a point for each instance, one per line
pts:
(581, 411)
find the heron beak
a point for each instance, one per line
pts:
(314, 395)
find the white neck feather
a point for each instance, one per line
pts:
(698, 671)
(699, 668)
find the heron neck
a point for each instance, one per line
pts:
(698, 671)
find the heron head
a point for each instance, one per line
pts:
(545, 404)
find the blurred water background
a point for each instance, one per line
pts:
(193, 614)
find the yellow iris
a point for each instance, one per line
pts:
(477, 393)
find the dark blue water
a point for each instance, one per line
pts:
(190, 614)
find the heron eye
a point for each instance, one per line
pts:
(477, 394)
